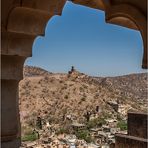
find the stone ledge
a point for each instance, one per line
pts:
(132, 137)
(17, 44)
(137, 113)
(126, 141)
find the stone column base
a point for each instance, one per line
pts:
(11, 144)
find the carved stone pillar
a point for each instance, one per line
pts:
(22, 22)
(12, 67)
(15, 49)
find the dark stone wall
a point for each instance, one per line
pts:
(137, 132)
(125, 141)
(137, 124)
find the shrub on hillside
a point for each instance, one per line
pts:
(122, 125)
(66, 96)
(30, 137)
(84, 134)
(83, 99)
(62, 131)
(98, 122)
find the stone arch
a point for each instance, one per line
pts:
(25, 22)
(125, 13)
(36, 21)
(22, 22)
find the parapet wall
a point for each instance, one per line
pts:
(137, 124)
(137, 132)
(125, 141)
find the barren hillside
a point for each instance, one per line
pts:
(31, 71)
(56, 96)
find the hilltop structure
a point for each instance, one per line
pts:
(72, 71)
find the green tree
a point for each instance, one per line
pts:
(84, 134)
(122, 125)
(30, 136)
(98, 122)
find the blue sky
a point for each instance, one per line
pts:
(80, 37)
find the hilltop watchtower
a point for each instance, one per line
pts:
(73, 70)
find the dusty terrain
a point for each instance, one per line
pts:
(57, 96)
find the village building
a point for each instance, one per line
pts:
(77, 126)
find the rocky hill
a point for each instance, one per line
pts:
(31, 71)
(133, 85)
(58, 96)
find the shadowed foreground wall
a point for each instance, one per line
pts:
(137, 132)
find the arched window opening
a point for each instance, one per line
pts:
(94, 93)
